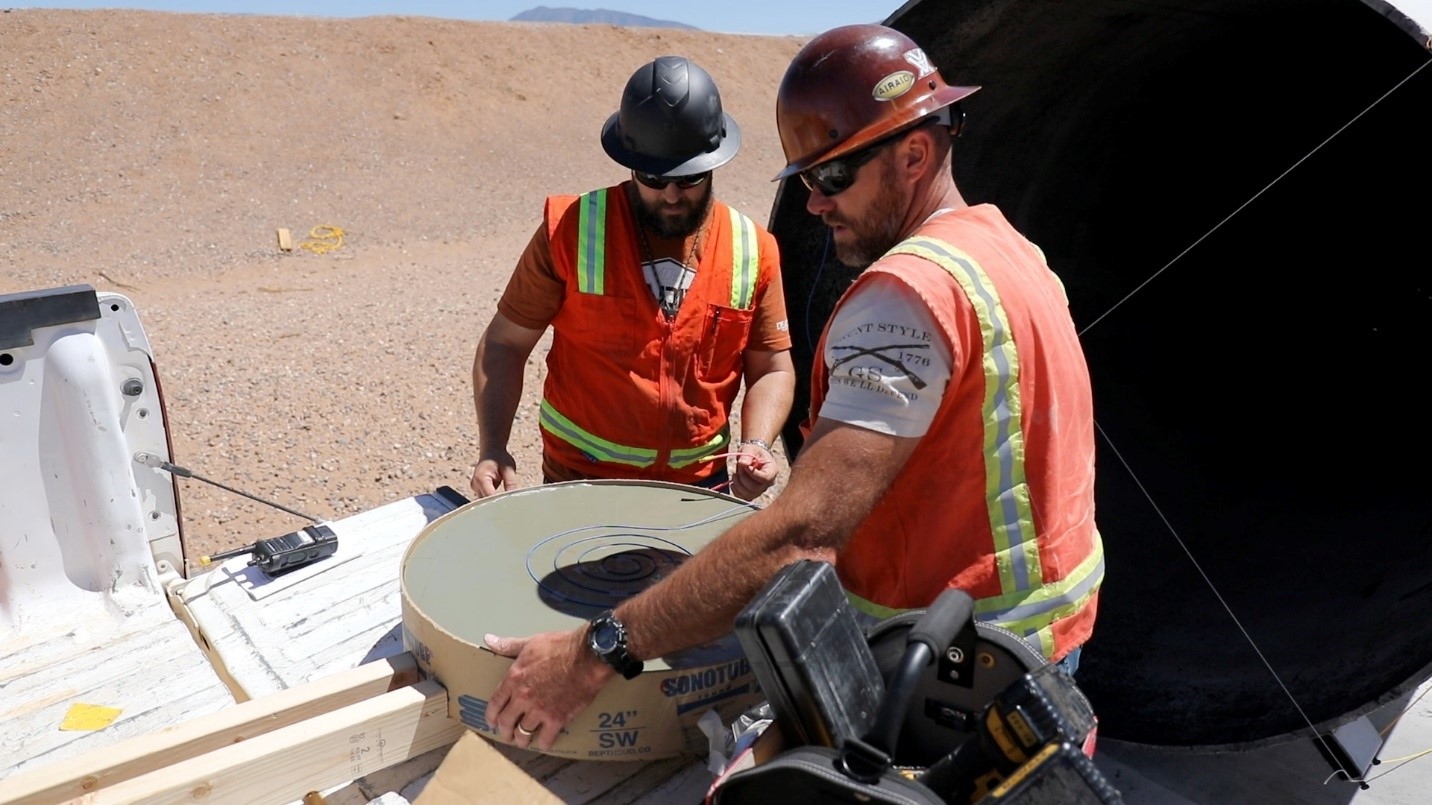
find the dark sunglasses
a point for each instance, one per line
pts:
(660, 182)
(837, 175)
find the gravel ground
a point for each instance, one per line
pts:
(157, 155)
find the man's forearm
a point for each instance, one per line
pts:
(769, 393)
(699, 602)
(497, 391)
(843, 471)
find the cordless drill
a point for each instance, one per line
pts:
(1027, 749)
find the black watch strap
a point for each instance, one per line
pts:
(607, 637)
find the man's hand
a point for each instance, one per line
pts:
(497, 369)
(556, 676)
(756, 470)
(494, 473)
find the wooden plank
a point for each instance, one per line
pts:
(312, 755)
(77, 776)
(584, 781)
(652, 776)
(102, 662)
(620, 782)
(402, 783)
(690, 783)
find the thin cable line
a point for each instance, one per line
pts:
(1393, 723)
(1320, 738)
(815, 283)
(1254, 198)
(1208, 581)
(721, 515)
(1405, 760)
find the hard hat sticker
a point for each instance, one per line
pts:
(894, 85)
(920, 61)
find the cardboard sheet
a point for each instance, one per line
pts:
(475, 772)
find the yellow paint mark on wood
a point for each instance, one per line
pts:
(87, 717)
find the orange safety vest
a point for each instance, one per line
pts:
(998, 497)
(630, 394)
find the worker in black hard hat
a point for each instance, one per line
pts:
(662, 301)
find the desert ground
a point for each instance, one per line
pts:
(158, 155)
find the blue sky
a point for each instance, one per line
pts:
(728, 16)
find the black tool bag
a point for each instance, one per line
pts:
(970, 712)
(861, 769)
(976, 664)
(817, 774)
(809, 654)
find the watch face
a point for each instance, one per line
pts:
(605, 637)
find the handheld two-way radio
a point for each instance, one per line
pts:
(288, 552)
(274, 555)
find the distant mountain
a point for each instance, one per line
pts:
(596, 15)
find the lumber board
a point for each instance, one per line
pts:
(143, 754)
(600, 780)
(689, 782)
(96, 658)
(620, 782)
(311, 755)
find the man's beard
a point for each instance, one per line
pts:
(879, 229)
(680, 227)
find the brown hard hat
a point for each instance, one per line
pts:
(850, 87)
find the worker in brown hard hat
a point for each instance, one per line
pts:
(663, 301)
(950, 437)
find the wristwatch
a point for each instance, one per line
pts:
(607, 638)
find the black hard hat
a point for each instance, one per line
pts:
(670, 121)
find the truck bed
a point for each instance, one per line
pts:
(271, 635)
(260, 636)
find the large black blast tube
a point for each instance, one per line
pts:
(1234, 194)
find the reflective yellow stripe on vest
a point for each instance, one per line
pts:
(1032, 614)
(685, 458)
(1025, 604)
(598, 448)
(745, 261)
(592, 250)
(1006, 489)
(592, 242)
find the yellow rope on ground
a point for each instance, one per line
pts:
(323, 239)
(1405, 758)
